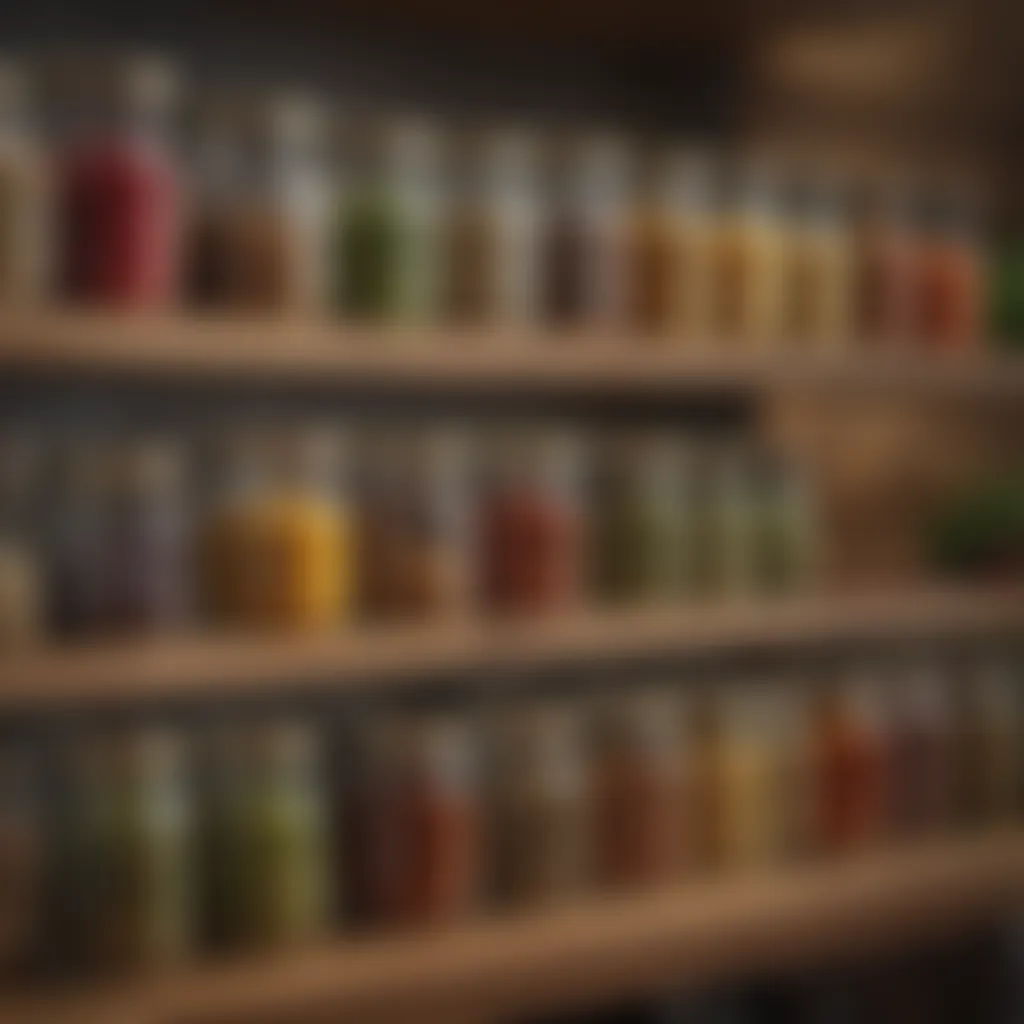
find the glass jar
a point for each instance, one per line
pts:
(257, 239)
(671, 252)
(25, 198)
(637, 521)
(24, 858)
(850, 766)
(818, 272)
(1006, 291)
(78, 581)
(415, 548)
(531, 525)
(119, 207)
(951, 277)
(267, 862)
(147, 565)
(639, 792)
(22, 572)
(749, 264)
(492, 230)
(989, 710)
(388, 236)
(748, 775)
(418, 820)
(787, 535)
(924, 756)
(541, 805)
(724, 524)
(584, 253)
(278, 550)
(132, 849)
(887, 255)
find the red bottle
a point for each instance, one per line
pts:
(119, 203)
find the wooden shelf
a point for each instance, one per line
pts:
(687, 936)
(195, 667)
(231, 351)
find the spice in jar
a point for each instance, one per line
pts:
(23, 863)
(133, 850)
(22, 572)
(277, 549)
(850, 766)
(990, 736)
(387, 251)
(818, 267)
(748, 274)
(492, 231)
(267, 866)
(638, 525)
(950, 278)
(530, 529)
(25, 198)
(414, 533)
(923, 756)
(671, 253)
(585, 247)
(417, 821)
(541, 805)
(119, 206)
(257, 239)
(147, 566)
(639, 792)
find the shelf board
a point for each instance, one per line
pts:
(301, 353)
(225, 665)
(687, 936)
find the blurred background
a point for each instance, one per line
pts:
(511, 514)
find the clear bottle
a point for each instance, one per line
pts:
(818, 285)
(268, 870)
(585, 249)
(492, 230)
(671, 255)
(148, 566)
(531, 528)
(257, 238)
(418, 824)
(639, 791)
(415, 545)
(748, 277)
(541, 804)
(637, 520)
(387, 254)
(119, 198)
(132, 850)
(26, 198)
(278, 549)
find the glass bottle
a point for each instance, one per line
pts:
(492, 230)
(22, 568)
(268, 873)
(748, 278)
(133, 849)
(530, 529)
(119, 203)
(418, 821)
(415, 547)
(637, 520)
(818, 272)
(148, 563)
(541, 805)
(26, 198)
(257, 238)
(387, 255)
(671, 257)
(584, 253)
(639, 792)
